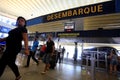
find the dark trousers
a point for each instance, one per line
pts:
(10, 61)
(58, 57)
(32, 54)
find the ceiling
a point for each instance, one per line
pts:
(34, 8)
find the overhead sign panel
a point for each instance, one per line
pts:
(117, 5)
(69, 26)
(90, 33)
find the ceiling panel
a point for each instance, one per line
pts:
(103, 21)
(34, 8)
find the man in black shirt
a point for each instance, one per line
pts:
(13, 47)
(49, 53)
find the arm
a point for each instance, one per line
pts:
(25, 39)
(3, 39)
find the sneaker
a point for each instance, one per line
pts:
(43, 72)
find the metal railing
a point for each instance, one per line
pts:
(92, 61)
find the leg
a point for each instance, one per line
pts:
(28, 60)
(47, 65)
(45, 69)
(59, 59)
(115, 68)
(3, 64)
(62, 58)
(111, 68)
(33, 57)
(47, 62)
(14, 68)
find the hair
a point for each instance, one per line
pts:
(49, 35)
(20, 17)
(113, 51)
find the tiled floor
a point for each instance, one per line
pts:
(62, 71)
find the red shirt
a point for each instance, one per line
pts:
(43, 48)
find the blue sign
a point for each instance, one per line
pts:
(4, 29)
(117, 5)
(34, 21)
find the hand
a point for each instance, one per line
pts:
(27, 52)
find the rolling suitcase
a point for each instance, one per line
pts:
(53, 62)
